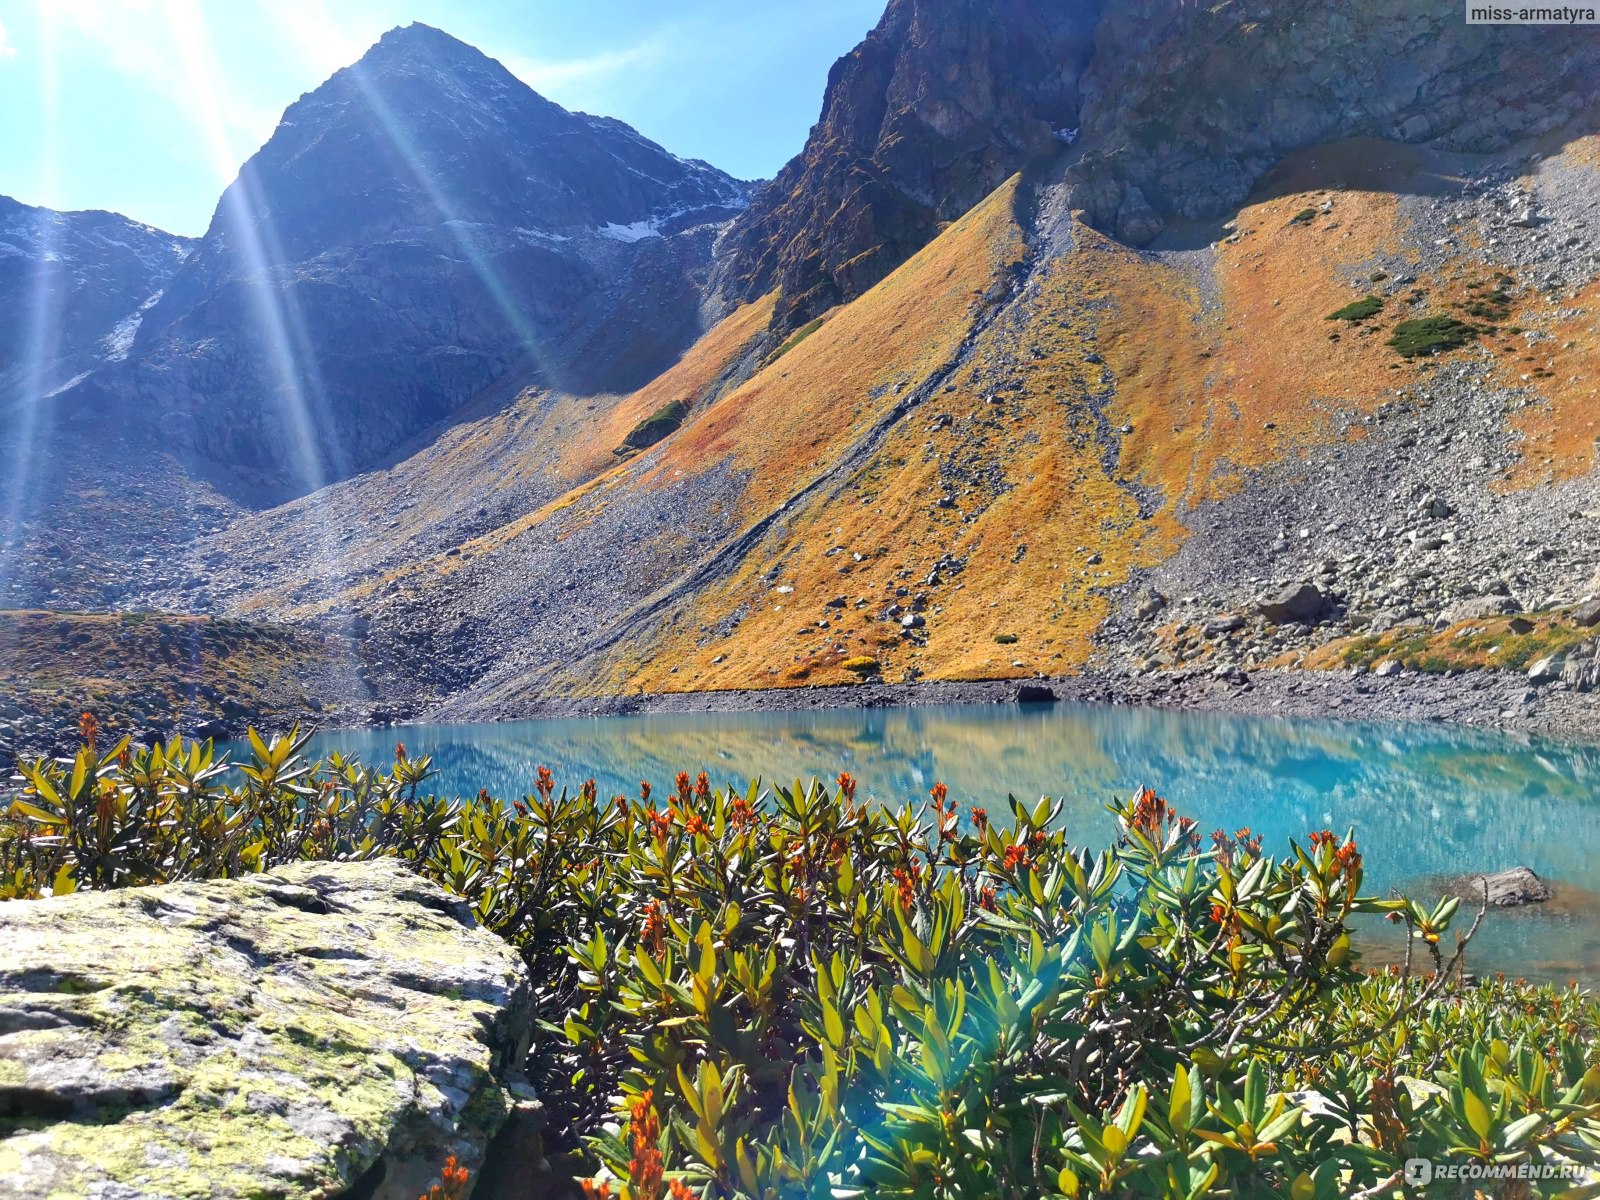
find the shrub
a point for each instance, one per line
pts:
(1304, 217)
(862, 664)
(795, 338)
(797, 993)
(1006, 639)
(1430, 335)
(1358, 310)
(658, 425)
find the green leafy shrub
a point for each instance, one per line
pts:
(799, 993)
(1430, 335)
(1006, 639)
(654, 428)
(1358, 310)
(795, 338)
(1304, 217)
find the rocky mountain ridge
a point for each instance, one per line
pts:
(75, 288)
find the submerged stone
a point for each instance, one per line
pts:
(320, 1030)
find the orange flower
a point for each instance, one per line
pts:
(696, 826)
(645, 1167)
(454, 1182)
(399, 752)
(847, 786)
(702, 787)
(88, 730)
(678, 1190)
(654, 931)
(683, 786)
(545, 785)
(644, 791)
(980, 820)
(1016, 856)
(907, 880)
(595, 1191)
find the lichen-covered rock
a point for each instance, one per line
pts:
(320, 1029)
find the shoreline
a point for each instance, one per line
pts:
(1500, 701)
(1503, 701)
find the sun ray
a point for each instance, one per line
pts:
(27, 401)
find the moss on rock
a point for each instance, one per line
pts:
(274, 1036)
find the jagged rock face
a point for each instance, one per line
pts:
(419, 227)
(325, 1029)
(1179, 109)
(943, 101)
(71, 289)
(1187, 106)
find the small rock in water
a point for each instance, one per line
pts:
(1505, 889)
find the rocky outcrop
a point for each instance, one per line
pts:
(73, 286)
(322, 1030)
(1186, 106)
(1159, 109)
(943, 101)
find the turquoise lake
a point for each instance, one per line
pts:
(1425, 800)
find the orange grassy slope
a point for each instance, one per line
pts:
(1117, 375)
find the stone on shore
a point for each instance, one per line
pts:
(321, 1030)
(1303, 603)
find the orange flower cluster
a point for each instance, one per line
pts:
(1151, 814)
(743, 815)
(907, 878)
(644, 1168)
(660, 822)
(980, 820)
(454, 1182)
(545, 785)
(400, 752)
(1242, 839)
(655, 928)
(1016, 856)
(88, 730)
(1347, 858)
(1229, 920)
(986, 899)
(946, 816)
(847, 786)
(696, 826)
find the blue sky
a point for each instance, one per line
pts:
(147, 107)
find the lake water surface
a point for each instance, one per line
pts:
(1424, 800)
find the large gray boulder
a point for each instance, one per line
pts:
(322, 1030)
(1301, 602)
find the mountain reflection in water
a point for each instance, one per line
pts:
(1425, 801)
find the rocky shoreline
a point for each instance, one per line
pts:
(1491, 699)
(1503, 700)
